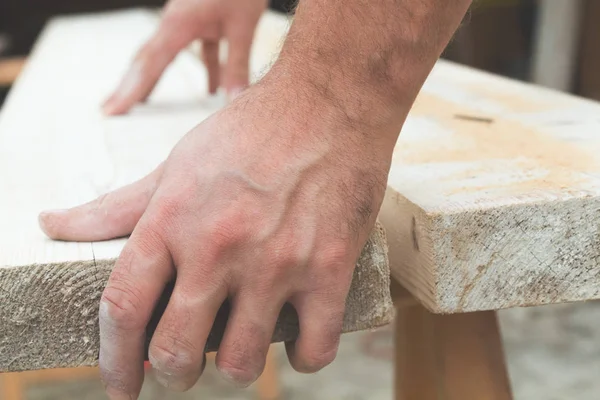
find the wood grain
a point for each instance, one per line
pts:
(57, 150)
(449, 357)
(494, 195)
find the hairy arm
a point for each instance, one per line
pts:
(370, 57)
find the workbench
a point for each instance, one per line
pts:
(492, 200)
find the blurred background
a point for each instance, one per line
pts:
(553, 352)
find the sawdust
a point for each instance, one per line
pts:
(516, 104)
(485, 137)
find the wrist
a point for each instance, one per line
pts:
(323, 101)
(370, 61)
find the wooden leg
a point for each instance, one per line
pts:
(267, 386)
(11, 387)
(449, 357)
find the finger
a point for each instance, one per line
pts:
(236, 74)
(112, 215)
(242, 354)
(146, 69)
(138, 279)
(321, 318)
(210, 57)
(177, 347)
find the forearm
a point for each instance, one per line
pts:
(370, 58)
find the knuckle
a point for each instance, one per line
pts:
(237, 369)
(172, 353)
(121, 305)
(226, 234)
(166, 210)
(146, 243)
(102, 201)
(333, 255)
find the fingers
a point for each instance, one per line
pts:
(210, 57)
(321, 319)
(138, 279)
(146, 69)
(236, 75)
(177, 347)
(242, 354)
(112, 215)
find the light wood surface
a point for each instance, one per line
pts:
(57, 150)
(449, 357)
(494, 195)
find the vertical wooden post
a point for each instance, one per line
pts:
(11, 387)
(449, 357)
(268, 383)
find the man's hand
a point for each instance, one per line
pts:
(185, 21)
(268, 201)
(258, 205)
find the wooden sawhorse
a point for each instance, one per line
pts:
(447, 357)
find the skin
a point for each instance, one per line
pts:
(184, 21)
(268, 201)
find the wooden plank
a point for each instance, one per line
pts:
(58, 150)
(449, 357)
(494, 195)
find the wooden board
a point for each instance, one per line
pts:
(494, 195)
(58, 150)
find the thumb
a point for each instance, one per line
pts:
(236, 75)
(147, 67)
(110, 216)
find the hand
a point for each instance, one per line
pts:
(184, 21)
(258, 204)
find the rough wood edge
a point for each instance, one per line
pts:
(49, 318)
(541, 250)
(410, 245)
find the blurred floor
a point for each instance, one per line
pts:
(553, 353)
(355, 375)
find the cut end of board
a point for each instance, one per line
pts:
(49, 313)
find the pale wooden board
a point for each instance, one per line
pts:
(498, 212)
(58, 150)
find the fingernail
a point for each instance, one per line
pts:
(116, 394)
(169, 380)
(233, 381)
(45, 219)
(126, 88)
(58, 211)
(131, 80)
(162, 378)
(108, 107)
(235, 92)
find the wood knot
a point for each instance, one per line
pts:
(413, 231)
